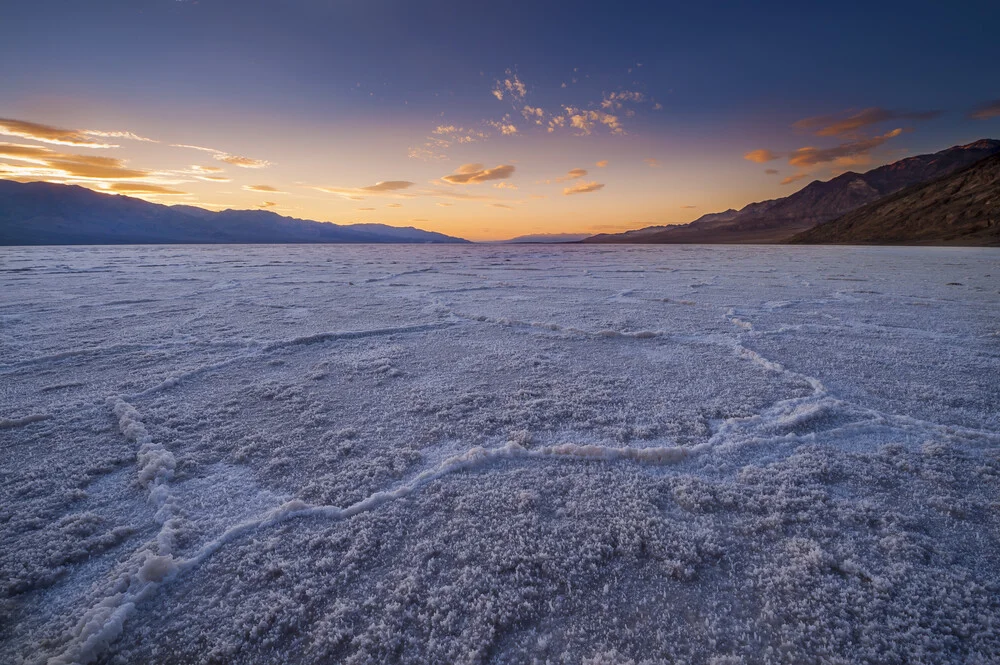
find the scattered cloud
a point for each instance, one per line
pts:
(586, 120)
(652, 162)
(502, 205)
(601, 164)
(616, 100)
(761, 156)
(444, 205)
(848, 123)
(267, 204)
(452, 134)
(504, 126)
(505, 185)
(810, 156)
(207, 169)
(79, 138)
(426, 152)
(533, 113)
(394, 205)
(688, 207)
(986, 111)
(511, 86)
(472, 174)
(583, 188)
(794, 178)
(261, 188)
(364, 209)
(771, 171)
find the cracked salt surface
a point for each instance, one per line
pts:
(499, 455)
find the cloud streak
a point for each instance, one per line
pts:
(847, 123)
(583, 188)
(473, 174)
(79, 138)
(810, 156)
(986, 111)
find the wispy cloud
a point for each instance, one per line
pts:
(849, 122)
(601, 164)
(986, 111)
(80, 138)
(382, 188)
(228, 158)
(44, 163)
(472, 174)
(141, 188)
(583, 188)
(810, 156)
(652, 162)
(572, 174)
(771, 171)
(242, 162)
(794, 178)
(261, 188)
(502, 205)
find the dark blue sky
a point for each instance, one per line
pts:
(281, 76)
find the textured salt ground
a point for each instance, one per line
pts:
(778, 455)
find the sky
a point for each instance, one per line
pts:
(485, 120)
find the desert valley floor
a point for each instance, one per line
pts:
(499, 454)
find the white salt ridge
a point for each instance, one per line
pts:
(866, 513)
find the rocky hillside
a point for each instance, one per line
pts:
(818, 202)
(960, 209)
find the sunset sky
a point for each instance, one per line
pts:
(485, 120)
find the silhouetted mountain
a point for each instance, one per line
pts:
(818, 202)
(959, 209)
(38, 213)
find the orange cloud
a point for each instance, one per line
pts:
(261, 188)
(583, 188)
(242, 162)
(652, 162)
(793, 178)
(601, 164)
(761, 156)
(141, 188)
(471, 174)
(511, 86)
(986, 111)
(384, 187)
(810, 156)
(55, 135)
(847, 125)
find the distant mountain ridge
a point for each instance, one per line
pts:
(959, 209)
(39, 213)
(818, 202)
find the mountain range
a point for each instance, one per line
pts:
(961, 208)
(814, 205)
(39, 213)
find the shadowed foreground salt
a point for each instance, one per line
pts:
(499, 454)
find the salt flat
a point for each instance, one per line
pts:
(499, 454)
